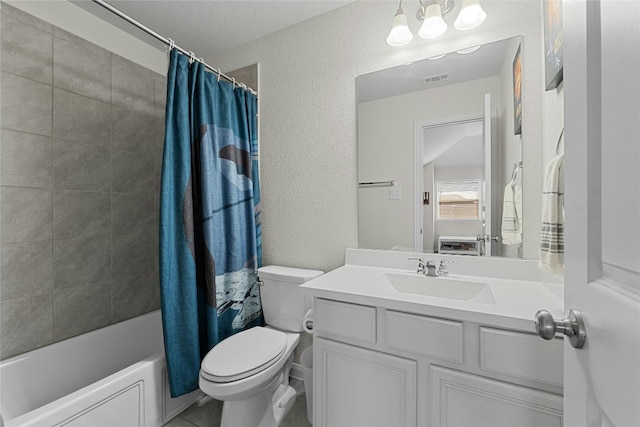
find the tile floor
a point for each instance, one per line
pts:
(206, 413)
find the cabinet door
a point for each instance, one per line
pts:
(355, 387)
(461, 399)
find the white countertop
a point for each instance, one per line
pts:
(516, 300)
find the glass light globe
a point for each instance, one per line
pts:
(433, 25)
(471, 15)
(400, 33)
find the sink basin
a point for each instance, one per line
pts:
(441, 287)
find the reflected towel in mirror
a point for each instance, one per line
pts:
(512, 214)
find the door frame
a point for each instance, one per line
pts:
(419, 126)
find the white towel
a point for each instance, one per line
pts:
(552, 238)
(512, 214)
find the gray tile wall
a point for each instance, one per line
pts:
(80, 156)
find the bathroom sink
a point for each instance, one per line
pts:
(441, 287)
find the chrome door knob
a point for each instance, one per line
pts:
(572, 327)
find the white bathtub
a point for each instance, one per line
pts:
(115, 376)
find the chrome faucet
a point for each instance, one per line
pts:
(442, 269)
(421, 265)
(431, 269)
(427, 268)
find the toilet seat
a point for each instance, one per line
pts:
(243, 354)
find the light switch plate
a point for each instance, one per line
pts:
(395, 193)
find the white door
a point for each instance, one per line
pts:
(602, 202)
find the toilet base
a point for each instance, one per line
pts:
(261, 400)
(266, 409)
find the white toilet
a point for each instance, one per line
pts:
(249, 371)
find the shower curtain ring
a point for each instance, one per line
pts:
(192, 57)
(172, 45)
(219, 72)
(233, 80)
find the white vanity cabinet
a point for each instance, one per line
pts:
(361, 387)
(375, 366)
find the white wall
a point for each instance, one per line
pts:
(308, 118)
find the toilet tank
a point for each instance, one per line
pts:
(283, 305)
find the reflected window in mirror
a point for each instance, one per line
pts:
(458, 200)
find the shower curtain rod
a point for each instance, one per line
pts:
(170, 43)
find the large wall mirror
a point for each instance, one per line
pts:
(438, 144)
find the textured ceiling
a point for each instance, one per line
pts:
(211, 27)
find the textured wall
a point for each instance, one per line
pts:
(308, 118)
(82, 133)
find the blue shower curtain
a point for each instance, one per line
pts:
(210, 239)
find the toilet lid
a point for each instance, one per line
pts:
(244, 354)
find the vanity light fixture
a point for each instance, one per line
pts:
(471, 15)
(432, 13)
(400, 33)
(433, 25)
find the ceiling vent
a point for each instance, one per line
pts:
(435, 79)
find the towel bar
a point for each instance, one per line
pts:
(377, 183)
